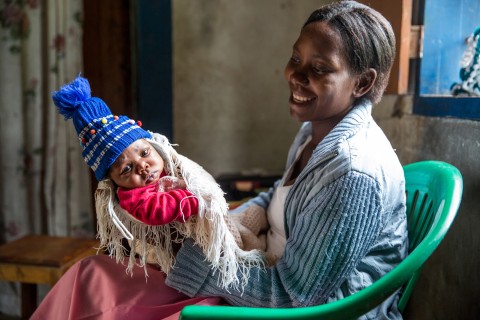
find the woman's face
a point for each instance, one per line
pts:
(322, 87)
(138, 165)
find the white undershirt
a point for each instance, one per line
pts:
(276, 239)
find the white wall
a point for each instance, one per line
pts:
(230, 97)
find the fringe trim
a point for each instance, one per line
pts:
(153, 244)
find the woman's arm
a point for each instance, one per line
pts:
(330, 236)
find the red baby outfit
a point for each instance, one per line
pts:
(154, 207)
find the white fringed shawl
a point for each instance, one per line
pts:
(154, 243)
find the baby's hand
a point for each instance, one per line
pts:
(168, 183)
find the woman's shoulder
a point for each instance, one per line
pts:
(371, 152)
(368, 152)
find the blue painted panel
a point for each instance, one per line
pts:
(456, 107)
(154, 63)
(447, 23)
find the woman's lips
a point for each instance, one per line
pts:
(297, 98)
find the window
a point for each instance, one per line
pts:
(447, 24)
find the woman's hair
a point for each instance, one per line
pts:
(367, 37)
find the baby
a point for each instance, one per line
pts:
(154, 197)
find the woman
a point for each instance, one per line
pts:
(337, 216)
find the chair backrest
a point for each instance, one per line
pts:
(434, 190)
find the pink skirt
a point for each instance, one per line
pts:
(99, 288)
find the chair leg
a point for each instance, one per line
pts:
(29, 299)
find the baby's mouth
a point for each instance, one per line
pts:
(150, 177)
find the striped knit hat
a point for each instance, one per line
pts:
(102, 135)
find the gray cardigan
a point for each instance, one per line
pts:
(345, 225)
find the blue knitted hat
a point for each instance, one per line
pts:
(102, 135)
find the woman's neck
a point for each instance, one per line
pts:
(321, 130)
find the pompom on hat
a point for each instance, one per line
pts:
(102, 135)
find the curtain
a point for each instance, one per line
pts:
(44, 182)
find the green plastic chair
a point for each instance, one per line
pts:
(434, 190)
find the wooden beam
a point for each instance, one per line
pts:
(399, 13)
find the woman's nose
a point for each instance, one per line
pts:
(299, 78)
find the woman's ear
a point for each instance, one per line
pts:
(365, 82)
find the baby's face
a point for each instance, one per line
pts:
(138, 165)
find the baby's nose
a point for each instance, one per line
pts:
(142, 167)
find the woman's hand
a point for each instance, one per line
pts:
(168, 183)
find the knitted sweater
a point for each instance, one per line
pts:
(345, 225)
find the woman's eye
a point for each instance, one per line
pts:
(294, 60)
(319, 70)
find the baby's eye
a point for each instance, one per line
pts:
(145, 152)
(125, 169)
